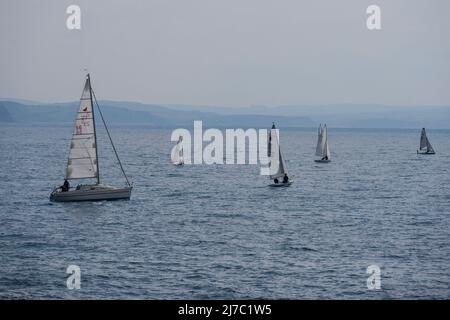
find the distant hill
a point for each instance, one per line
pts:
(65, 112)
(21, 101)
(347, 116)
(169, 116)
(135, 113)
(4, 114)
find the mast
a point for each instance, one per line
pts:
(95, 131)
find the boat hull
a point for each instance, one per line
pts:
(426, 153)
(322, 161)
(91, 193)
(280, 185)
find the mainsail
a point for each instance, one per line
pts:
(277, 166)
(319, 142)
(82, 162)
(425, 143)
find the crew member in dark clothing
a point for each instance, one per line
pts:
(285, 178)
(275, 180)
(66, 186)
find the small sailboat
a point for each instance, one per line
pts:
(277, 166)
(425, 145)
(83, 158)
(322, 149)
(177, 157)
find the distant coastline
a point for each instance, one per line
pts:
(169, 116)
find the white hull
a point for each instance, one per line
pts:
(281, 184)
(91, 193)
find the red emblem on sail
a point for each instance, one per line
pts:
(85, 109)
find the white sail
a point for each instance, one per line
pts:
(326, 148)
(319, 142)
(82, 162)
(328, 155)
(177, 156)
(423, 140)
(283, 168)
(429, 147)
(277, 166)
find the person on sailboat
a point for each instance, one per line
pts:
(285, 178)
(66, 186)
(325, 158)
(275, 180)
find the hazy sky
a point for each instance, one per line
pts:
(228, 52)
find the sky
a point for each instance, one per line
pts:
(228, 53)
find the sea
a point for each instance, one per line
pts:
(218, 231)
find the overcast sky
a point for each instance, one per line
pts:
(228, 52)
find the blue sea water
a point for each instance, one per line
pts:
(218, 231)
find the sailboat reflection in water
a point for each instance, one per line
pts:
(83, 158)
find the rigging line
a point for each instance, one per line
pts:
(110, 139)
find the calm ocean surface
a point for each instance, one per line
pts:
(218, 231)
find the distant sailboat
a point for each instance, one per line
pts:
(83, 158)
(322, 149)
(177, 157)
(277, 166)
(425, 145)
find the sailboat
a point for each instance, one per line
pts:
(322, 149)
(425, 145)
(83, 163)
(177, 157)
(277, 165)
